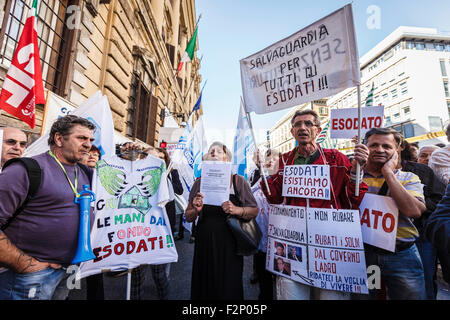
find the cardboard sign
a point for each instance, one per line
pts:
(318, 247)
(307, 181)
(344, 122)
(315, 62)
(379, 221)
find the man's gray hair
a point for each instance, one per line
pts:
(304, 112)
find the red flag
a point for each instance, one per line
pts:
(23, 87)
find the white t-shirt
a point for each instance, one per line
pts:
(131, 225)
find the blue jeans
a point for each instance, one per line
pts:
(402, 273)
(429, 260)
(38, 285)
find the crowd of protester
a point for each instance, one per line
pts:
(417, 179)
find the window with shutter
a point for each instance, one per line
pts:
(151, 135)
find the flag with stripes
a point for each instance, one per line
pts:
(369, 99)
(323, 139)
(188, 54)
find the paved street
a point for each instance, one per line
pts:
(180, 279)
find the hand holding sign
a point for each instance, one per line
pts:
(361, 154)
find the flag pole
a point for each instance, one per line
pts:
(44, 117)
(190, 112)
(358, 166)
(190, 85)
(128, 297)
(250, 125)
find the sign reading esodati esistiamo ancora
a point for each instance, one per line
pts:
(307, 181)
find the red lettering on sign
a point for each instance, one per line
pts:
(366, 217)
(387, 220)
(377, 214)
(391, 227)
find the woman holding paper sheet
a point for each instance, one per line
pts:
(217, 270)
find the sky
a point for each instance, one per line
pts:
(230, 30)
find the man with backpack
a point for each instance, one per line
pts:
(38, 216)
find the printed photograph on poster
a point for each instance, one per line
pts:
(295, 253)
(280, 249)
(307, 181)
(282, 266)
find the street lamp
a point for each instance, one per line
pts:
(164, 114)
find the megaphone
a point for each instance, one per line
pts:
(84, 250)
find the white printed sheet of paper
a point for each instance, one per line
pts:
(215, 182)
(379, 221)
(318, 247)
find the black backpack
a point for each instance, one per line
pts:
(34, 173)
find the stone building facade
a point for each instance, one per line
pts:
(127, 49)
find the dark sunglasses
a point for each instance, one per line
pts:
(12, 142)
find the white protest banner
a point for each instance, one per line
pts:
(344, 122)
(131, 226)
(318, 247)
(188, 155)
(379, 221)
(96, 109)
(315, 62)
(215, 182)
(307, 181)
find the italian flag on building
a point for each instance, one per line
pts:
(188, 55)
(369, 99)
(323, 139)
(23, 87)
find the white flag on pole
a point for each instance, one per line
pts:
(187, 158)
(96, 109)
(243, 146)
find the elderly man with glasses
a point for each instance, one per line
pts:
(13, 145)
